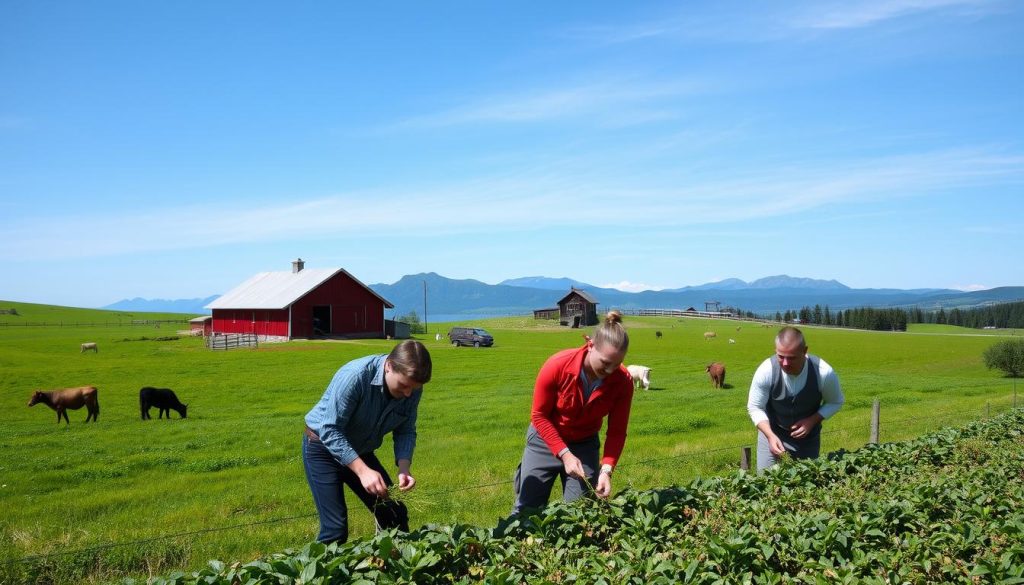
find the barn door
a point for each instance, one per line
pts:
(322, 320)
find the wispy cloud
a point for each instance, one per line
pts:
(512, 204)
(969, 287)
(745, 23)
(628, 286)
(993, 230)
(850, 15)
(621, 101)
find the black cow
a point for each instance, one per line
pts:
(162, 398)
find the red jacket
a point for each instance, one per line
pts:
(559, 414)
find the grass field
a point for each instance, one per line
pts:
(229, 478)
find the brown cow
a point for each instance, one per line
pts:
(716, 371)
(73, 398)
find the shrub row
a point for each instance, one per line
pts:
(947, 507)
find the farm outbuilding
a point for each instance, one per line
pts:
(303, 303)
(577, 309)
(551, 313)
(201, 326)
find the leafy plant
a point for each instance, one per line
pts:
(948, 507)
(1008, 356)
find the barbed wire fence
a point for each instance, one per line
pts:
(625, 466)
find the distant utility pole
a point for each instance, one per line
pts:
(425, 307)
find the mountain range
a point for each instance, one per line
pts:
(523, 295)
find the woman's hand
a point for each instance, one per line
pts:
(604, 485)
(573, 466)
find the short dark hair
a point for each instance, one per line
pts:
(788, 335)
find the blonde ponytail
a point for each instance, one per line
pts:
(611, 332)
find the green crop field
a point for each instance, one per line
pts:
(132, 498)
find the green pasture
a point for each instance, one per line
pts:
(228, 483)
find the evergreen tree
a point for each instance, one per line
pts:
(956, 318)
(805, 314)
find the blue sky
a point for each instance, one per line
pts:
(173, 149)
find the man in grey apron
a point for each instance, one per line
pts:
(791, 394)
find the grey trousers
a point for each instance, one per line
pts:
(798, 449)
(536, 474)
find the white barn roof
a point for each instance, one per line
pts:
(278, 290)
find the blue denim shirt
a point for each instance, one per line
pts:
(356, 412)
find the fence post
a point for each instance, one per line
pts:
(745, 459)
(876, 414)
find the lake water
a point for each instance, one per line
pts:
(462, 317)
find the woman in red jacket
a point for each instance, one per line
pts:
(575, 390)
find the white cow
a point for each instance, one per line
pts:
(90, 346)
(641, 376)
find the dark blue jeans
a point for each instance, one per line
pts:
(326, 476)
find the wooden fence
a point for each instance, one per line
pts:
(232, 341)
(876, 417)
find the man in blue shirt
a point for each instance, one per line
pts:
(367, 399)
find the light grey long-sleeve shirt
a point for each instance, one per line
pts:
(761, 385)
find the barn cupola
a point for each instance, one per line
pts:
(297, 265)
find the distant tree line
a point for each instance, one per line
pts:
(1002, 316)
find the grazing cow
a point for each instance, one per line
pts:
(716, 371)
(709, 335)
(90, 345)
(731, 340)
(641, 376)
(161, 398)
(657, 334)
(73, 398)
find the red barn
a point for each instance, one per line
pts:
(301, 304)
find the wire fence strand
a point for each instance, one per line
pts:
(463, 489)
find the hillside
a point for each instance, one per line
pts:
(32, 313)
(520, 296)
(768, 295)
